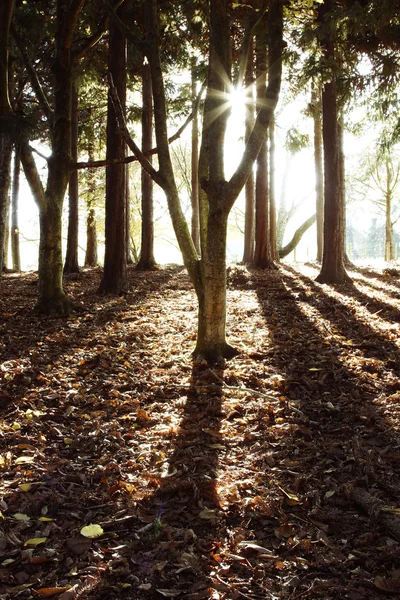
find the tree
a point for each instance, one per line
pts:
(194, 162)
(6, 142)
(114, 279)
(147, 260)
(262, 251)
(15, 253)
(333, 260)
(315, 107)
(71, 264)
(249, 219)
(208, 272)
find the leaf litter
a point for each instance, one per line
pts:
(128, 471)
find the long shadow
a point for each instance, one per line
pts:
(338, 436)
(372, 274)
(174, 550)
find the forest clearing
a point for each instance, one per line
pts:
(129, 470)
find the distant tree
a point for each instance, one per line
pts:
(71, 264)
(249, 219)
(194, 161)
(315, 108)
(15, 250)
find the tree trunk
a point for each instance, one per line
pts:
(333, 262)
(272, 197)
(6, 11)
(389, 254)
(147, 260)
(15, 251)
(195, 167)
(249, 219)
(262, 251)
(71, 264)
(91, 259)
(129, 260)
(319, 171)
(211, 333)
(7, 228)
(114, 280)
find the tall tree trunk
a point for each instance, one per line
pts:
(333, 261)
(147, 260)
(249, 218)
(91, 259)
(262, 251)
(272, 197)
(389, 254)
(7, 228)
(15, 250)
(114, 280)
(6, 12)
(71, 264)
(319, 170)
(129, 260)
(195, 166)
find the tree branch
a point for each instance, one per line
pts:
(96, 37)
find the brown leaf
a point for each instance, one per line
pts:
(51, 591)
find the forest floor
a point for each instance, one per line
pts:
(128, 471)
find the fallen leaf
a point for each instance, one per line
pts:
(35, 541)
(21, 517)
(51, 591)
(207, 513)
(92, 531)
(24, 459)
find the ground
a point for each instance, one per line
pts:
(274, 476)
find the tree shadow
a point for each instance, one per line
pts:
(339, 434)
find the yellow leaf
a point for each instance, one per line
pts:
(68, 441)
(92, 531)
(25, 487)
(45, 519)
(16, 426)
(207, 513)
(291, 499)
(35, 541)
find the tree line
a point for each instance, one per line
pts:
(56, 55)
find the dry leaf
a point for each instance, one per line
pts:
(35, 541)
(51, 591)
(92, 531)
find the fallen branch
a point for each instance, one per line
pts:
(386, 516)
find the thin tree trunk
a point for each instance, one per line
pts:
(388, 215)
(114, 280)
(195, 166)
(15, 250)
(7, 227)
(71, 264)
(129, 260)
(272, 197)
(91, 259)
(319, 170)
(147, 260)
(249, 219)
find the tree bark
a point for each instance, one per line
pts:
(91, 259)
(71, 264)
(262, 251)
(15, 250)
(249, 219)
(319, 170)
(333, 261)
(114, 280)
(195, 167)
(147, 260)
(389, 254)
(272, 196)
(6, 144)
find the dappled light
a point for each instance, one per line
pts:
(128, 470)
